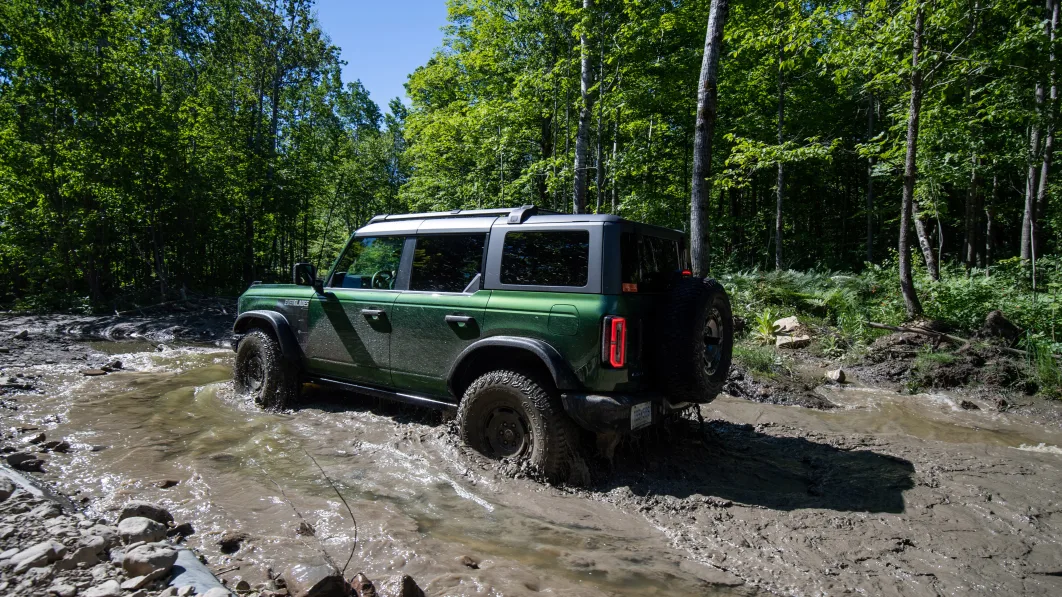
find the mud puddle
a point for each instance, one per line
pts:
(420, 503)
(885, 494)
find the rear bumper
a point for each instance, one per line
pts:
(617, 413)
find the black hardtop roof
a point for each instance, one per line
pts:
(525, 213)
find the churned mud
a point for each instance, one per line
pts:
(882, 493)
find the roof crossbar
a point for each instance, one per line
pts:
(516, 215)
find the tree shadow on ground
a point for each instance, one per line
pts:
(737, 463)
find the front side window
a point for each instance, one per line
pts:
(546, 258)
(446, 263)
(370, 262)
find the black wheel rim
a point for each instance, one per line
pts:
(254, 374)
(713, 342)
(506, 432)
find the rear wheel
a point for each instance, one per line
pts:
(262, 371)
(508, 414)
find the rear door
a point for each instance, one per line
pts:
(441, 312)
(350, 323)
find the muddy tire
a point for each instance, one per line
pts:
(263, 372)
(508, 414)
(696, 341)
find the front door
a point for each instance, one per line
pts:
(441, 313)
(350, 323)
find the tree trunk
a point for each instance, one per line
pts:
(910, 175)
(1049, 141)
(780, 183)
(926, 243)
(613, 163)
(973, 215)
(582, 139)
(1029, 215)
(702, 137)
(870, 182)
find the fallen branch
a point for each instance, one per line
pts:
(948, 337)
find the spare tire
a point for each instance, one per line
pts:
(695, 341)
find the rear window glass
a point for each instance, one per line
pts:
(446, 263)
(650, 262)
(547, 258)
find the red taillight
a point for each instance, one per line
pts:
(687, 273)
(614, 341)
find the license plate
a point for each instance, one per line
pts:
(641, 415)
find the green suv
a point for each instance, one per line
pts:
(536, 327)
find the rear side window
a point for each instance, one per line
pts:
(446, 263)
(649, 263)
(546, 258)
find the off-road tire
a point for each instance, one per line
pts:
(262, 371)
(683, 365)
(551, 436)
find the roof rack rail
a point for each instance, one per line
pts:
(516, 215)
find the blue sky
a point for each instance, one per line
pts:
(383, 41)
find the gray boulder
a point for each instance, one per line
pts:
(146, 510)
(41, 554)
(147, 559)
(109, 588)
(139, 528)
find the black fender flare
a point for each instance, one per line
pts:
(289, 346)
(559, 369)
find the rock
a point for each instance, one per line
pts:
(186, 590)
(85, 555)
(182, 530)
(115, 364)
(967, 405)
(6, 488)
(139, 582)
(146, 559)
(15, 458)
(242, 586)
(146, 510)
(37, 439)
(166, 483)
(97, 544)
(792, 341)
(836, 375)
(998, 326)
(139, 528)
(57, 446)
(362, 586)
(407, 587)
(93, 372)
(33, 465)
(217, 592)
(107, 533)
(231, 540)
(315, 581)
(305, 529)
(62, 590)
(109, 588)
(46, 511)
(41, 554)
(787, 325)
(469, 562)
(161, 348)
(23, 335)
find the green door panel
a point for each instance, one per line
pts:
(350, 334)
(424, 344)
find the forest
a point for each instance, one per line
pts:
(156, 148)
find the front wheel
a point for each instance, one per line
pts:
(262, 371)
(507, 414)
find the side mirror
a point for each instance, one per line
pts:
(304, 274)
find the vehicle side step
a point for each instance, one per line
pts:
(414, 399)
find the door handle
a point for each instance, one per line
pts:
(373, 313)
(460, 319)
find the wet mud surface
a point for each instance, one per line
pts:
(884, 493)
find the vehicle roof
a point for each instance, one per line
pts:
(482, 220)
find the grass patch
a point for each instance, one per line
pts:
(758, 359)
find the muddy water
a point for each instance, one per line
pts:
(420, 503)
(886, 494)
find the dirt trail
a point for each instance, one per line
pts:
(884, 494)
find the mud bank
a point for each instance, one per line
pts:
(884, 493)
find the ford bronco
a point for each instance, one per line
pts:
(532, 325)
